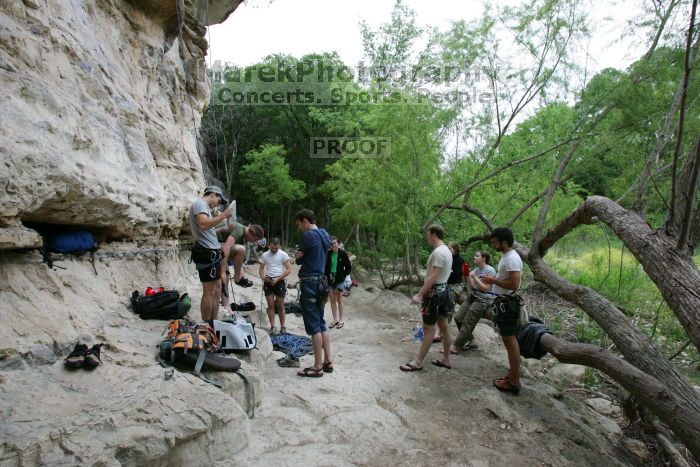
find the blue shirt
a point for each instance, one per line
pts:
(314, 244)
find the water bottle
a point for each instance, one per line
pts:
(418, 333)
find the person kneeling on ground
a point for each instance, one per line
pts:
(477, 306)
(206, 253)
(435, 300)
(274, 268)
(337, 269)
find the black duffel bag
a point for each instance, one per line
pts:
(162, 305)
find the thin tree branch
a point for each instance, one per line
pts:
(493, 174)
(487, 222)
(556, 181)
(681, 118)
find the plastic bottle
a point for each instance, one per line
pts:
(418, 333)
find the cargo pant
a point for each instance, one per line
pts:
(467, 317)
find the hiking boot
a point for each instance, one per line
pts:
(76, 359)
(245, 282)
(288, 362)
(92, 356)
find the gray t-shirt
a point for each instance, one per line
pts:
(509, 262)
(442, 258)
(206, 238)
(487, 270)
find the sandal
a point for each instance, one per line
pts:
(328, 367)
(470, 347)
(437, 339)
(283, 330)
(311, 372)
(333, 324)
(506, 385)
(410, 367)
(340, 324)
(441, 365)
(452, 351)
(273, 331)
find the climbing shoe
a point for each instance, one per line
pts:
(92, 356)
(76, 359)
(244, 282)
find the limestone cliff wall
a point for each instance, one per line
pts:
(100, 100)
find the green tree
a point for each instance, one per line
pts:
(267, 175)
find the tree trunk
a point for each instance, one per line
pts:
(679, 285)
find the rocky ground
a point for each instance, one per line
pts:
(368, 412)
(365, 413)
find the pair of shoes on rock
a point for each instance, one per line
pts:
(244, 282)
(82, 357)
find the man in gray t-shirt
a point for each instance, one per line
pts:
(206, 253)
(435, 300)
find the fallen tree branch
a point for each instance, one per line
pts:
(649, 390)
(652, 248)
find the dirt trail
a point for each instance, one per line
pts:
(369, 413)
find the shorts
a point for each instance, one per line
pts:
(311, 307)
(341, 286)
(437, 302)
(506, 314)
(208, 262)
(279, 289)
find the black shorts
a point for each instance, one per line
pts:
(437, 302)
(506, 311)
(208, 262)
(279, 289)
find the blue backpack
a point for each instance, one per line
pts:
(74, 242)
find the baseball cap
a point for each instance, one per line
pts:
(218, 191)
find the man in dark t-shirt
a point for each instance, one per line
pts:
(311, 255)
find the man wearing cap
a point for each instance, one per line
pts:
(207, 253)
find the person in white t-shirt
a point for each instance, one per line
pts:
(507, 282)
(436, 301)
(275, 266)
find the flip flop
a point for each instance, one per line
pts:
(408, 367)
(441, 365)
(340, 324)
(437, 339)
(328, 367)
(311, 372)
(506, 385)
(470, 347)
(333, 324)
(451, 352)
